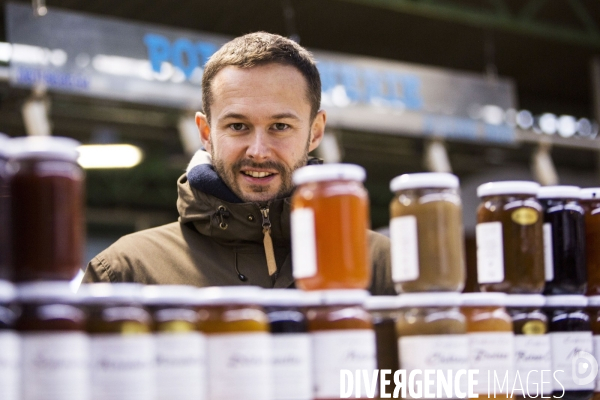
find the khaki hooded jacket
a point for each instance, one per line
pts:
(216, 243)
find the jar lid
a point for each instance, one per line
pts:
(566, 300)
(559, 192)
(594, 301)
(46, 291)
(223, 295)
(288, 298)
(508, 187)
(525, 300)
(7, 292)
(589, 194)
(336, 297)
(383, 302)
(44, 147)
(102, 292)
(431, 299)
(170, 294)
(482, 299)
(424, 180)
(329, 172)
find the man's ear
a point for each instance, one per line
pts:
(203, 130)
(317, 130)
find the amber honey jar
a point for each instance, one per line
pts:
(46, 188)
(509, 234)
(330, 218)
(5, 250)
(590, 201)
(426, 233)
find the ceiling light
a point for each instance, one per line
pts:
(93, 156)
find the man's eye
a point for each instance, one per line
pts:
(237, 126)
(280, 126)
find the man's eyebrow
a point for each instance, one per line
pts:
(233, 115)
(284, 116)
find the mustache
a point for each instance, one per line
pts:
(274, 165)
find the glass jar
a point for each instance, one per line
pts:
(6, 271)
(590, 201)
(491, 342)
(594, 314)
(510, 239)
(432, 336)
(180, 348)
(9, 344)
(343, 339)
(564, 240)
(122, 356)
(238, 347)
(329, 222)
(46, 187)
(54, 344)
(532, 343)
(291, 349)
(426, 233)
(570, 333)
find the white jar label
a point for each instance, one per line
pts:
(239, 366)
(490, 252)
(492, 353)
(533, 355)
(180, 366)
(304, 245)
(340, 349)
(54, 366)
(291, 366)
(9, 365)
(435, 352)
(596, 342)
(565, 346)
(548, 253)
(122, 367)
(405, 248)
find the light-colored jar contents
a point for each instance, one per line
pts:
(509, 233)
(122, 354)
(329, 222)
(432, 336)
(426, 233)
(590, 201)
(10, 346)
(54, 344)
(343, 339)
(491, 342)
(180, 347)
(594, 313)
(238, 343)
(532, 344)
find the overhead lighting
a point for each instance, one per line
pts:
(93, 156)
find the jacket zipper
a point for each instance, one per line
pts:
(268, 242)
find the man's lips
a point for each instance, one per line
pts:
(258, 177)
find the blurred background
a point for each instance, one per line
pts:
(486, 89)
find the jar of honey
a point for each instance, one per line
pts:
(179, 346)
(533, 361)
(54, 344)
(594, 314)
(509, 234)
(122, 354)
(432, 336)
(46, 188)
(564, 240)
(6, 272)
(491, 342)
(590, 201)
(570, 335)
(329, 222)
(238, 343)
(426, 233)
(9, 344)
(343, 339)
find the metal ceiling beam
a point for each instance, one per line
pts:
(499, 17)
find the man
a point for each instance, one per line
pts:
(261, 99)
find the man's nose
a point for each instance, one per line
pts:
(259, 148)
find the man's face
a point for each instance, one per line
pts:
(260, 130)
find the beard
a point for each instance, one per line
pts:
(229, 174)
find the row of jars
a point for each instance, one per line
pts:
(41, 209)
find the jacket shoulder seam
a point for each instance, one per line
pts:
(106, 268)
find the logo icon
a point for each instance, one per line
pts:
(584, 368)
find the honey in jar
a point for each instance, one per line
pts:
(426, 233)
(6, 272)
(510, 250)
(9, 344)
(590, 201)
(491, 342)
(329, 225)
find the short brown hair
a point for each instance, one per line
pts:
(262, 48)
